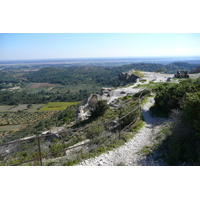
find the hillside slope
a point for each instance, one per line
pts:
(131, 154)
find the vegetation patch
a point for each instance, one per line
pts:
(183, 144)
(54, 106)
(143, 80)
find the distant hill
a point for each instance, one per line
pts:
(169, 68)
(103, 76)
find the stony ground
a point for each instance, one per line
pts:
(148, 76)
(129, 154)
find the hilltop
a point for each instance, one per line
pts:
(121, 100)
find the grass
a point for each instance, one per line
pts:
(54, 106)
(146, 150)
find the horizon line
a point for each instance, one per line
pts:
(82, 58)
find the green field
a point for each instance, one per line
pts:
(54, 106)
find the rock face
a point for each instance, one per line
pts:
(127, 78)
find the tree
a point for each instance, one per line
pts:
(100, 108)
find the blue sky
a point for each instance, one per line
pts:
(18, 46)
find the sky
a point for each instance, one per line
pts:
(23, 46)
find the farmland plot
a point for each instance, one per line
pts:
(19, 119)
(54, 106)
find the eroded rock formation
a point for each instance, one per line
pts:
(127, 78)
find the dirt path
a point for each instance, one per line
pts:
(128, 154)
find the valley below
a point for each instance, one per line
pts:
(115, 122)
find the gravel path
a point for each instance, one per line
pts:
(128, 154)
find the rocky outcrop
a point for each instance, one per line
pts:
(127, 78)
(84, 111)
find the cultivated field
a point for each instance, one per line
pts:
(13, 118)
(54, 106)
(19, 118)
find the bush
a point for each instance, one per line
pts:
(94, 132)
(191, 109)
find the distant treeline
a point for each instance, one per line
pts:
(104, 76)
(72, 76)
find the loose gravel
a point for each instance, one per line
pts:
(129, 154)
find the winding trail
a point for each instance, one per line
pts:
(128, 154)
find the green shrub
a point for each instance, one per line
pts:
(143, 80)
(191, 109)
